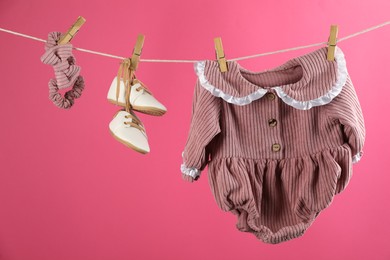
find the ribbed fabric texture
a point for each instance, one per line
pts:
(67, 74)
(274, 166)
(62, 60)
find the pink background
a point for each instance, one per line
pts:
(68, 190)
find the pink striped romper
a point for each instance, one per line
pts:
(279, 144)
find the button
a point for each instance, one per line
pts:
(270, 96)
(272, 122)
(276, 147)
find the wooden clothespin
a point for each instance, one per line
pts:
(135, 58)
(332, 42)
(223, 67)
(68, 36)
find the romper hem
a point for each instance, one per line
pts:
(278, 200)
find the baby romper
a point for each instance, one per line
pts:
(279, 144)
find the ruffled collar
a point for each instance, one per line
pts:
(302, 82)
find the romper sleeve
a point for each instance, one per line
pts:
(203, 128)
(346, 110)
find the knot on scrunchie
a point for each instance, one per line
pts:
(67, 74)
(67, 100)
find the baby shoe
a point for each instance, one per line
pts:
(141, 99)
(128, 129)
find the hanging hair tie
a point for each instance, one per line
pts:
(67, 100)
(67, 74)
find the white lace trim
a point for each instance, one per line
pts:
(193, 172)
(241, 101)
(357, 157)
(325, 99)
(302, 105)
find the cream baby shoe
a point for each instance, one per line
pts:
(128, 129)
(141, 99)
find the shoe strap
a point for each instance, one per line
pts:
(141, 86)
(135, 122)
(127, 74)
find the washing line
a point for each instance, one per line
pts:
(193, 61)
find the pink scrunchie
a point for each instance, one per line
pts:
(67, 100)
(66, 72)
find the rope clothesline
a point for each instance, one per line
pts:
(192, 61)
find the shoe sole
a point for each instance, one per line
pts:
(146, 110)
(129, 145)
